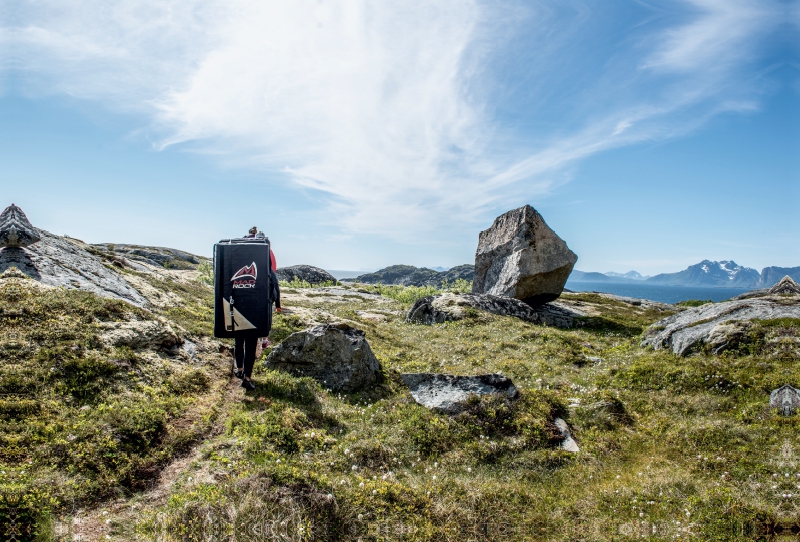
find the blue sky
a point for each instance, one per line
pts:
(649, 134)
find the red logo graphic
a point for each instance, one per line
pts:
(246, 271)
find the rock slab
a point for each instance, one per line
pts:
(449, 394)
(716, 324)
(448, 307)
(337, 355)
(15, 229)
(519, 256)
(308, 273)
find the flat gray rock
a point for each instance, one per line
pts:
(449, 394)
(15, 229)
(714, 323)
(54, 261)
(448, 307)
(307, 273)
(336, 355)
(519, 256)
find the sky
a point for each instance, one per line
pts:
(649, 134)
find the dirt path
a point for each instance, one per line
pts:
(114, 520)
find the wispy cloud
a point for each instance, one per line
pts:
(407, 115)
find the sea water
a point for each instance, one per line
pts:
(654, 292)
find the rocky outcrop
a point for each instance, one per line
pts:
(519, 256)
(158, 256)
(336, 355)
(786, 286)
(145, 335)
(15, 229)
(448, 307)
(56, 261)
(307, 273)
(722, 326)
(408, 275)
(786, 399)
(449, 394)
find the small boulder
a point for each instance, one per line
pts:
(15, 229)
(786, 398)
(449, 394)
(336, 355)
(786, 286)
(307, 273)
(146, 335)
(567, 442)
(519, 256)
(450, 307)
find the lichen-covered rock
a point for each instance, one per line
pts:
(145, 335)
(447, 307)
(337, 355)
(307, 273)
(519, 256)
(723, 326)
(15, 229)
(55, 261)
(449, 394)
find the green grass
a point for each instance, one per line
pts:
(670, 446)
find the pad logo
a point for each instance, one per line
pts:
(246, 271)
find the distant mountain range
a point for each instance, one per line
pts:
(726, 273)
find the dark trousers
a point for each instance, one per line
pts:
(244, 353)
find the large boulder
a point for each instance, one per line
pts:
(15, 229)
(449, 307)
(730, 325)
(336, 355)
(519, 256)
(307, 273)
(449, 394)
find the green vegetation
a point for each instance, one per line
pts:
(410, 294)
(297, 283)
(671, 447)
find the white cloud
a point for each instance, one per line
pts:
(386, 107)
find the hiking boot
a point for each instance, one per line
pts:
(239, 374)
(248, 385)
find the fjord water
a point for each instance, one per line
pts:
(665, 294)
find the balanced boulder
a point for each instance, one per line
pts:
(15, 229)
(306, 273)
(519, 256)
(449, 394)
(336, 355)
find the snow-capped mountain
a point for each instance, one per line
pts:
(632, 275)
(708, 273)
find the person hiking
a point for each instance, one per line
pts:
(245, 348)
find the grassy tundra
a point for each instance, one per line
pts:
(156, 442)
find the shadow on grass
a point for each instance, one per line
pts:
(605, 326)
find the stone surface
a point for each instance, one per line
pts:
(519, 256)
(786, 398)
(308, 273)
(568, 443)
(149, 335)
(55, 261)
(717, 324)
(336, 355)
(644, 303)
(449, 307)
(15, 229)
(449, 394)
(785, 286)
(158, 256)
(408, 275)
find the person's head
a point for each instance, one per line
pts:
(253, 230)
